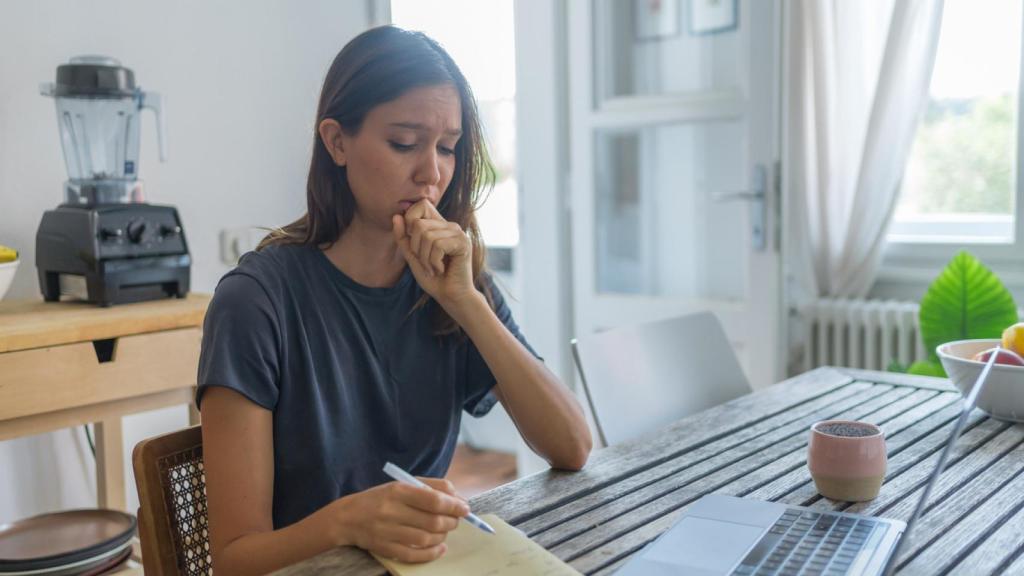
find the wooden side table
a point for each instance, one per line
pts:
(64, 364)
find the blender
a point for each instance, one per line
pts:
(104, 243)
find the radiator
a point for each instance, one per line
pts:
(862, 334)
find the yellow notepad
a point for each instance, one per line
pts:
(472, 552)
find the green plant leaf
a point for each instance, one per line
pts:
(966, 301)
(896, 366)
(927, 369)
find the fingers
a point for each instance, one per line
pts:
(437, 245)
(441, 484)
(398, 229)
(451, 246)
(417, 519)
(423, 209)
(410, 523)
(409, 236)
(430, 241)
(431, 501)
(410, 555)
(418, 232)
(413, 537)
(426, 238)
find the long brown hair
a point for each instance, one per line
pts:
(375, 67)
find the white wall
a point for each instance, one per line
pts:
(240, 81)
(543, 260)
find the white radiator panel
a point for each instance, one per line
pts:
(862, 334)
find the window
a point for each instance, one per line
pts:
(481, 39)
(961, 182)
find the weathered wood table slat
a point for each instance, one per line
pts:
(755, 447)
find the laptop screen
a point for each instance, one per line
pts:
(969, 402)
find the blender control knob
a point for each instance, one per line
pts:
(136, 229)
(166, 230)
(108, 233)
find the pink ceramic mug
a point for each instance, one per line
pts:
(847, 459)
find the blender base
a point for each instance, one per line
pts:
(112, 254)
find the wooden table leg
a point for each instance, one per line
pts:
(110, 464)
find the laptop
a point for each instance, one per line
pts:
(722, 534)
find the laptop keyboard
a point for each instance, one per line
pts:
(807, 543)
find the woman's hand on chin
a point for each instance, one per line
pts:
(439, 253)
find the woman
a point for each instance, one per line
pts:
(357, 334)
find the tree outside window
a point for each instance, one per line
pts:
(961, 181)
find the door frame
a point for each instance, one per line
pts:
(542, 140)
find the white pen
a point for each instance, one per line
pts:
(406, 478)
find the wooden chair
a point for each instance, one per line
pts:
(173, 526)
(640, 378)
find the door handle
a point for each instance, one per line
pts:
(756, 197)
(747, 196)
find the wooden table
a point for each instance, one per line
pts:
(755, 447)
(64, 364)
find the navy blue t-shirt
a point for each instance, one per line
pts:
(354, 376)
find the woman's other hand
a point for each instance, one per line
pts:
(438, 252)
(395, 520)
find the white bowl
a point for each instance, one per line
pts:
(1003, 396)
(7, 270)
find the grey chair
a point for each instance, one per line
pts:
(640, 378)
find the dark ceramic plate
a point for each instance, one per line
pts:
(62, 538)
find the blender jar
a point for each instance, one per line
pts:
(98, 112)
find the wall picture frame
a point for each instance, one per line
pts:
(655, 19)
(713, 16)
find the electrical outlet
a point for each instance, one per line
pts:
(237, 241)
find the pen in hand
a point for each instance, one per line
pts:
(406, 478)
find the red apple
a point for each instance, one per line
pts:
(1007, 357)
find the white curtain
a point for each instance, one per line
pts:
(857, 77)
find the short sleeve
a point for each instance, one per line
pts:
(480, 381)
(241, 337)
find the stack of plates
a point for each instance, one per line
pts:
(72, 542)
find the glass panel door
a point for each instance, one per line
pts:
(657, 231)
(673, 137)
(656, 48)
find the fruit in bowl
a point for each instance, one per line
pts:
(1003, 396)
(8, 265)
(1013, 338)
(1005, 356)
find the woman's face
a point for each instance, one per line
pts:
(404, 152)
